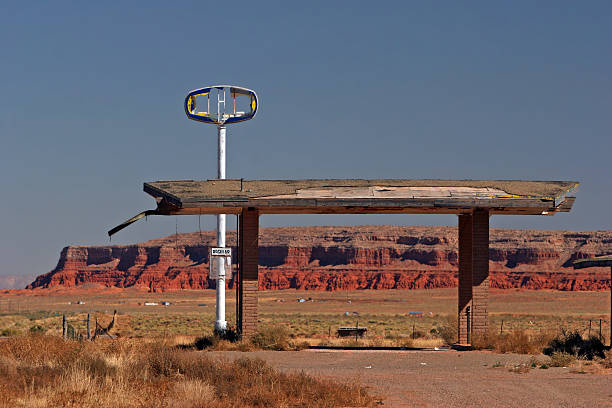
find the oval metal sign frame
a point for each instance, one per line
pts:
(217, 119)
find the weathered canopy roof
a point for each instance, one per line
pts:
(605, 260)
(361, 196)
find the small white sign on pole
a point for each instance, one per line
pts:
(220, 263)
(221, 251)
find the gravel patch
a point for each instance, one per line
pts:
(447, 378)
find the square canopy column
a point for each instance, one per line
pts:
(473, 289)
(480, 272)
(465, 279)
(248, 279)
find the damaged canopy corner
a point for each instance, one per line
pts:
(132, 220)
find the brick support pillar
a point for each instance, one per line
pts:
(464, 321)
(480, 271)
(248, 280)
(473, 291)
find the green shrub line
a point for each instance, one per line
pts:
(572, 343)
(266, 338)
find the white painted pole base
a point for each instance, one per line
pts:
(220, 323)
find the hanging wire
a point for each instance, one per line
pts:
(201, 237)
(176, 236)
(238, 273)
(200, 228)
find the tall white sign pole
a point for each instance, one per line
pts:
(220, 323)
(221, 118)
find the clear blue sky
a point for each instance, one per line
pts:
(92, 93)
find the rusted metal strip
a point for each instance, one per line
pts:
(132, 220)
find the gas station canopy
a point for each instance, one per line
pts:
(355, 196)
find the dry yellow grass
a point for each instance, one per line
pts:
(194, 310)
(191, 394)
(46, 371)
(514, 341)
(607, 362)
(374, 342)
(385, 313)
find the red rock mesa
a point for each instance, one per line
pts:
(335, 258)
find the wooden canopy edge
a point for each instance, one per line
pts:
(566, 206)
(160, 195)
(230, 196)
(554, 190)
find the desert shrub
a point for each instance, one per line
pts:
(220, 341)
(535, 362)
(97, 366)
(352, 342)
(270, 388)
(560, 359)
(190, 394)
(38, 315)
(592, 348)
(271, 338)
(302, 345)
(400, 340)
(417, 334)
(162, 361)
(41, 350)
(218, 344)
(571, 342)
(543, 339)
(515, 341)
(447, 330)
(325, 343)
(202, 343)
(9, 332)
(520, 368)
(578, 368)
(482, 341)
(230, 334)
(404, 342)
(37, 329)
(8, 367)
(606, 362)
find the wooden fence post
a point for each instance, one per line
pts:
(64, 326)
(88, 326)
(600, 330)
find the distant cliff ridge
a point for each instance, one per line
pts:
(334, 258)
(14, 281)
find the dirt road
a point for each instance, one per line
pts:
(448, 378)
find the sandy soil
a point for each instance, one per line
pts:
(448, 378)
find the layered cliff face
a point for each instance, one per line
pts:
(333, 258)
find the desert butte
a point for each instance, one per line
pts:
(341, 258)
